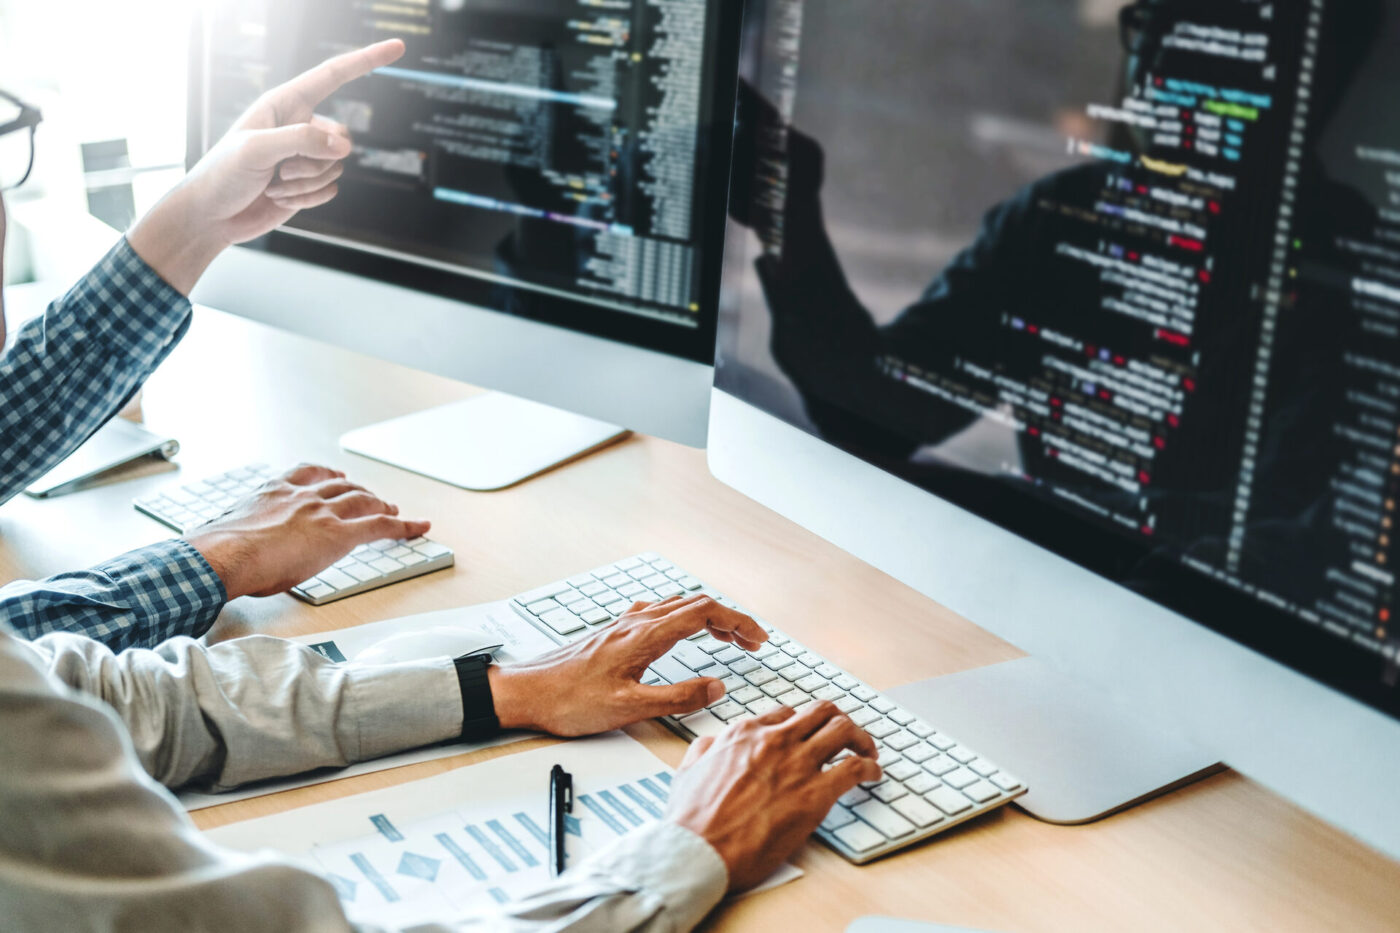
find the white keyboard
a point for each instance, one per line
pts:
(367, 567)
(931, 783)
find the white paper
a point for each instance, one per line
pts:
(458, 842)
(519, 639)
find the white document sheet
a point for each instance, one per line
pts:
(520, 641)
(458, 842)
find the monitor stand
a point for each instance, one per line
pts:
(1081, 755)
(483, 443)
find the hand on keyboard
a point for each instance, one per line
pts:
(293, 528)
(594, 684)
(758, 790)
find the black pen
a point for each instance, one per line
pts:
(561, 802)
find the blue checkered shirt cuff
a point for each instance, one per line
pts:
(137, 600)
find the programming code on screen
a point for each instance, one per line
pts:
(553, 146)
(1178, 341)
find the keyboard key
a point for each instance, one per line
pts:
(901, 717)
(765, 650)
(940, 765)
(667, 590)
(596, 616)
(652, 581)
(592, 588)
(335, 578)
(703, 723)
(948, 800)
(760, 677)
(692, 657)
(734, 682)
(364, 572)
(863, 716)
(793, 649)
(982, 791)
(729, 654)
(882, 704)
(675, 573)
(1005, 781)
(917, 811)
(847, 703)
(316, 590)
(960, 754)
(959, 779)
(582, 580)
(813, 681)
(632, 591)
(618, 608)
(746, 666)
(829, 692)
(542, 606)
(763, 705)
(777, 687)
(777, 661)
(794, 698)
(614, 581)
(544, 592)
(858, 837)
(746, 694)
(900, 741)
(412, 558)
(880, 727)
(398, 553)
(671, 669)
(941, 742)
(561, 620)
(921, 783)
(884, 818)
(919, 753)
(920, 728)
(863, 693)
(727, 710)
(888, 791)
(386, 565)
(810, 659)
(629, 563)
(690, 583)
(904, 770)
(838, 817)
(854, 796)
(888, 756)
(793, 672)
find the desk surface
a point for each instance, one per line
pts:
(1223, 853)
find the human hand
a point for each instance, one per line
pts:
(294, 527)
(279, 158)
(758, 790)
(594, 685)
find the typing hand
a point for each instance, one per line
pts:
(758, 791)
(594, 685)
(293, 528)
(279, 158)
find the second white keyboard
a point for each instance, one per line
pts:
(932, 782)
(368, 567)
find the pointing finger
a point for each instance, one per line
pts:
(307, 90)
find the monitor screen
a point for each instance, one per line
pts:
(1121, 277)
(563, 160)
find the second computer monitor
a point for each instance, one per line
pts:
(535, 199)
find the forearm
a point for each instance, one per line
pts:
(72, 369)
(139, 599)
(257, 707)
(176, 241)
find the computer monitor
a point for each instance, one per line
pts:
(535, 202)
(1082, 317)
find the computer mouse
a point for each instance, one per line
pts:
(438, 642)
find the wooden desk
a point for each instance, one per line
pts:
(1221, 854)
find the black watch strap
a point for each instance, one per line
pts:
(479, 720)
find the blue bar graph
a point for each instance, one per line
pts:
(386, 828)
(664, 777)
(611, 800)
(600, 813)
(373, 876)
(533, 828)
(500, 896)
(520, 851)
(460, 854)
(640, 800)
(655, 791)
(491, 848)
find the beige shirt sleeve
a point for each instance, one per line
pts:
(90, 841)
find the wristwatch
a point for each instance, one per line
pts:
(479, 720)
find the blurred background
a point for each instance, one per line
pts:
(110, 79)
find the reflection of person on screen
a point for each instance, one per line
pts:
(829, 346)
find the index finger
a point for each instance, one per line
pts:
(311, 87)
(706, 612)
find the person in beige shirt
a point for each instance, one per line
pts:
(91, 740)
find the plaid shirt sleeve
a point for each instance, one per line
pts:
(64, 376)
(67, 373)
(137, 600)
